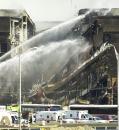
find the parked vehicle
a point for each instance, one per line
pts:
(107, 117)
(85, 118)
(46, 116)
(64, 115)
(99, 120)
(115, 119)
(14, 116)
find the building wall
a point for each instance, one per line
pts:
(14, 31)
(4, 35)
(4, 24)
(103, 29)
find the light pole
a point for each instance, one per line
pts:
(118, 85)
(117, 57)
(20, 50)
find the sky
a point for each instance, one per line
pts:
(55, 10)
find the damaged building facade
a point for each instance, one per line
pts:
(15, 27)
(95, 81)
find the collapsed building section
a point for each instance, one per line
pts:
(95, 81)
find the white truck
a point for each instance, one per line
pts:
(46, 116)
(64, 115)
(74, 114)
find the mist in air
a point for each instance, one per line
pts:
(44, 55)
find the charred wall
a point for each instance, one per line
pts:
(96, 79)
(103, 29)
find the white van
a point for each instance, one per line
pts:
(46, 116)
(64, 115)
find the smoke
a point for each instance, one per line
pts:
(44, 55)
(11, 12)
(61, 32)
(44, 60)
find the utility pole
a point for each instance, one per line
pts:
(20, 50)
(118, 86)
(117, 57)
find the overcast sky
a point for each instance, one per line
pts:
(55, 10)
